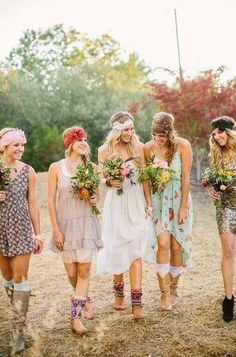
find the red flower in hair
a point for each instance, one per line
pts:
(75, 134)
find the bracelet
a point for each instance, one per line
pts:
(38, 237)
(108, 182)
(149, 209)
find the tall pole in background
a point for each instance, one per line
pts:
(177, 38)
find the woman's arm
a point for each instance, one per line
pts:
(34, 208)
(52, 191)
(186, 163)
(145, 153)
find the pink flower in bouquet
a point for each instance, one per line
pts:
(205, 183)
(125, 171)
(160, 163)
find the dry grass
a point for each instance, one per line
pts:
(194, 328)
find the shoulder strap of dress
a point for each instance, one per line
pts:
(63, 168)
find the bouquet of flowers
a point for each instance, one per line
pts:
(5, 175)
(118, 169)
(158, 172)
(220, 180)
(85, 182)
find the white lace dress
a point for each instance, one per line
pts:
(124, 228)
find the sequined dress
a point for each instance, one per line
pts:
(226, 211)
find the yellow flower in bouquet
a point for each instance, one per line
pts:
(229, 173)
(164, 178)
(83, 193)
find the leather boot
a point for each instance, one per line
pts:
(136, 301)
(10, 292)
(173, 289)
(164, 283)
(118, 289)
(228, 309)
(20, 305)
(77, 306)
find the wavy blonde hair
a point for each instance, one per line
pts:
(69, 150)
(113, 138)
(163, 123)
(220, 156)
(4, 131)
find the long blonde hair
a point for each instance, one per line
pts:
(113, 138)
(163, 123)
(2, 132)
(219, 156)
(69, 150)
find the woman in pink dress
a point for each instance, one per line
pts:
(76, 230)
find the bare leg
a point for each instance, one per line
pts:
(6, 267)
(20, 266)
(71, 269)
(163, 252)
(135, 273)
(175, 253)
(227, 263)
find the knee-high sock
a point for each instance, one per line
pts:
(175, 270)
(162, 269)
(24, 286)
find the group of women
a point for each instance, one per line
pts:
(126, 219)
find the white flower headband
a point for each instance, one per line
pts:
(12, 136)
(121, 126)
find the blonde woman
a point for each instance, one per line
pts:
(76, 231)
(223, 153)
(124, 223)
(172, 207)
(19, 229)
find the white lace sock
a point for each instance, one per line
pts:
(175, 270)
(163, 269)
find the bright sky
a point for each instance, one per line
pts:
(206, 27)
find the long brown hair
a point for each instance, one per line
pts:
(219, 156)
(163, 123)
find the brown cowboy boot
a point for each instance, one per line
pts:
(20, 305)
(77, 306)
(164, 283)
(173, 289)
(10, 292)
(118, 289)
(136, 301)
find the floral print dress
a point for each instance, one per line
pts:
(166, 211)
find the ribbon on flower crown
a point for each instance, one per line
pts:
(11, 136)
(121, 126)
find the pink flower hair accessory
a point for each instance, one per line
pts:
(11, 136)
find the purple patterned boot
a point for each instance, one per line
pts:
(77, 305)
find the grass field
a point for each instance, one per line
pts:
(193, 328)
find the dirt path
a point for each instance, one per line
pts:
(193, 328)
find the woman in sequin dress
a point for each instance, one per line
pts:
(172, 207)
(222, 153)
(19, 230)
(76, 230)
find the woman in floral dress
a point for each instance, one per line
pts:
(19, 229)
(172, 207)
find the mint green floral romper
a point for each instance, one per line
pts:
(166, 211)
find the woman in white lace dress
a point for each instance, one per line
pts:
(124, 226)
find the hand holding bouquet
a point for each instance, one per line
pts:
(85, 182)
(220, 180)
(118, 169)
(5, 175)
(158, 172)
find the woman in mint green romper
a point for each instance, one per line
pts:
(172, 215)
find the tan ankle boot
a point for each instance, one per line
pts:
(164, 283)
(9, 292)
(20, 305)
(173, 289)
